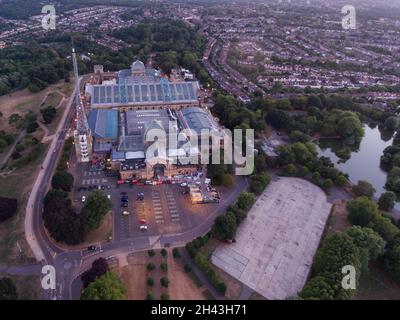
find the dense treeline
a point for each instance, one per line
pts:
(354, 247)
(30, 66)
(174, 44)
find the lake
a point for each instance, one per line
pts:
(363, 163)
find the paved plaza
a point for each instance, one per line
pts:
(276, 243)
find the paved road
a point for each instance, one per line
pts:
(28, 269)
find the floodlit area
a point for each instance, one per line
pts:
(276, 243)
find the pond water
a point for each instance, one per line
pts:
(363, 163)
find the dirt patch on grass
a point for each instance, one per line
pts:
(376, 285)
(181, 287)
(338, 218)
(28, 287)
(23, 101)
(134, 278)
(234, 286)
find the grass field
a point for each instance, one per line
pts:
(17, 185)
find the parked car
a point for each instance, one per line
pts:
(91, 248)
(124, 204)
(142, 221)
(183, 184)
(109, 196)
(148, 182)
(125, 213)
(123, 193)
(83, 199)
(143, 228)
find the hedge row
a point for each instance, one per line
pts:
(203, 263)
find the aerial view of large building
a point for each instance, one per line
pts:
(124, 109)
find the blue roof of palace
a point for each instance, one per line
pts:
(104, 123)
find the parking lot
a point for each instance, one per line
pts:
(164, 208)
(276, 243)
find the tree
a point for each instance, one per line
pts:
(96, 207)
(392, 262)
(364, 188)
(246, 200)
(151, 253)
(327, 184)
(164, 296)
(225, 226)
(63, 180)
(387, 200)
(8, 291)
(370, 243)
(259, 183)
(164, 282)
(99, 267)
(163, 252)
(107, 287)
(289, 170)
(318, 288)
(362, 211)
(164, 267)
(175, 253)
(150, 281)
(151, 266)
(8, 207)
(390, 123)
(341, 181)
(60, 219)
(31, 127)
(335, 252)
(150, 296)
(48, 114)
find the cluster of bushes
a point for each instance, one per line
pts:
(5, 140)
(390, 162)
(205, 265)
(8, 290)
(60, 219)
(99, 267)
(106, 287)
(225, 226)
(202, 262)
(31, 66)
(34, 153)
(365, 213)
(8, 207)
(354, 247)
(48, 114)
(62, 179)
(300, 159)
(27, 122)
(259, 182)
